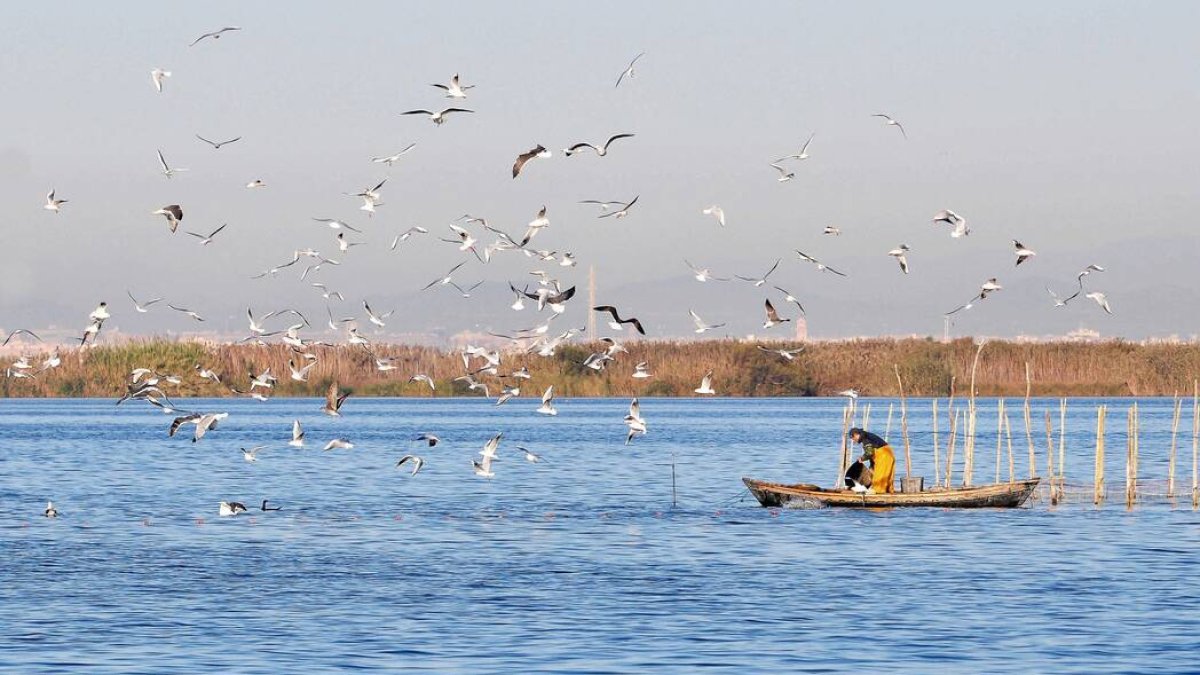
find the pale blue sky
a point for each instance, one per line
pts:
(1069, 126)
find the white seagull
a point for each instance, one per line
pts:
(417, 463)
(1023, 252)
(706, 384)
(803, 154)
(455, 89)
(702, 273)
(297, 435)
(820, 265)
(437, 117)
(716, 212)
(784, 174)
(899, 253)
(157, 76)
(173, 213)
(1100, 300)
(392, 159)
(547, 407)
(702, 327)
(216, 34)
(166, 168)
(53, 204)
(772, 316)
(892, 123)
(205, 240)
(601, 150)
(141, 306)
(628, 72)
(954, 220)
(760, 281)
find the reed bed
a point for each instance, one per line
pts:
(924, 367)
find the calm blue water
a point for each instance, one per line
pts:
(576, 564)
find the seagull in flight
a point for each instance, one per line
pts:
(602, 204)
(1086, 271)
(217, 144)
(189, 312)
(953, 219)
(786, 354)
(1023, 252)
(637, 425)
(628, 72)
(484, 468)
(438, 117)
(334, 401)
(772, 316)
(784, 174)
(17, 332)
(831, 230)
(702, 327)
(157, 76)
(166, 169)
(297, 435)
(338, 444)
(173, 213)
(205, 240)
(702, 273)
(53, 204)
(790, 298)
(337, 224)
(523, 158)
(851, 394)
(216, 34)
(1060, 302)
(1100, 299)
(989, 286)
(374, 318)
(455, 89)
(403, 236)
(803, 154)
(622, 212)
(759, 282)
(417, 463)
(716, 212)
(820, 265)
(706, 384)
(141, 306)
(616, 321)
(599, 150)
(892, 123)
(392, 159)
(899, 253)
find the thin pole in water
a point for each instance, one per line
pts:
(1098, 479)
(674, 496)
(1174, 440)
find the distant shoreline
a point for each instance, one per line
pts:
(740, 369)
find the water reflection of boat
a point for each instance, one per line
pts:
(999, 495)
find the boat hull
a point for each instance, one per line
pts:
(1000, 495)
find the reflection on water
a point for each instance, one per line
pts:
(577, 563)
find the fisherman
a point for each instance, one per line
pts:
(882, 459)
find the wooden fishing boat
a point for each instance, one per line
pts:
(1000, 495)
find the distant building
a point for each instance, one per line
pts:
(801, 329)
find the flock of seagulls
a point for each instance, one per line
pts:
(478, 242)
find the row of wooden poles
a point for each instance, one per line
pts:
(1004, 438)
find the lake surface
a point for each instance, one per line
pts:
(579, 563)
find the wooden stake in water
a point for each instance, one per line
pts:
(1029, 423)
(937, 465)
(1050, 458)
(1012, 467)
(950, 448)
(969, 445)
(1062, 440)
(866, 418)
(1195, 443)
(844, 450)
(1171, 454)
(888, 432)
(1131, 458)
(674, 498)
(1098, 479)
(999, 435)
(903, 424)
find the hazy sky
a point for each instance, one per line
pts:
(1070, 126)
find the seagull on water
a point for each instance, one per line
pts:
(600, 151)
(899, 253)
(438, 117)
(297, 435)
(702, 327)
(892, 123)
(628, 72)
(53, 204)
(547, 407)
(230, 508)
(706, 384)
(50, 511)
(455, 89)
